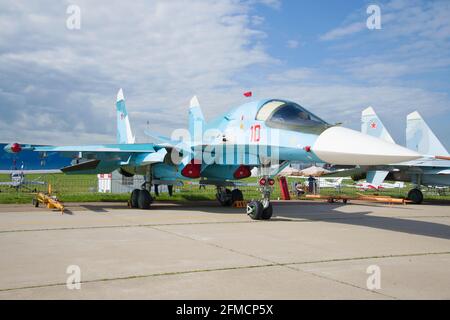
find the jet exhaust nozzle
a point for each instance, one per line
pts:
(338, 145)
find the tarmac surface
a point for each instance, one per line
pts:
(309, 250)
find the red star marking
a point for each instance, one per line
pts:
(373, 125)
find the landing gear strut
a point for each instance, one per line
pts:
(262, 209)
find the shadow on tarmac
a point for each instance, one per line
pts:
(310, 211)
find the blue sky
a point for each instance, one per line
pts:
(317, 53)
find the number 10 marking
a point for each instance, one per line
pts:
(255, 133)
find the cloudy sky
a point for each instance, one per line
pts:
(58, 85)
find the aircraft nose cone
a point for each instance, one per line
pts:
(338, 145)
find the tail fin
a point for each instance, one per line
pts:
(196, 119)
(124, 134)
(372, 125)
(420, 138)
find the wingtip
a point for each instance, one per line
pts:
(120, 95)
(194, 102)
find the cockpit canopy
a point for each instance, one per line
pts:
(291, 116)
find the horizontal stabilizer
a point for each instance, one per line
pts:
(149, 158)
(169, 143)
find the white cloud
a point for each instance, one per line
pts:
(292, 44)
(257, 20)
(58, 86)
(161, 52)
(344, 31)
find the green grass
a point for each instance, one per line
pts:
(82, 188)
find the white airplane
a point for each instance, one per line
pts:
(330, 182)
(18, 180)
(385, 185)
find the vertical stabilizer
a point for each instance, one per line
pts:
(196, 119)
(372, 125)
(124, 134)
(420, 138)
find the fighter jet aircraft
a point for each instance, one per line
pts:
(255, 134)
(433, 169)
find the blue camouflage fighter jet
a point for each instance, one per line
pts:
(267, 134)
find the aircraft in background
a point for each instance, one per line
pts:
(18, 181)
(433, 169)
(370, 186)
(256, 134)
(335, 183)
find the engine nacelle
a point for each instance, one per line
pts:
(192, 170)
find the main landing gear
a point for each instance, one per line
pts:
(415, 195)
(226, 197)
(141, 198)
(262, 209)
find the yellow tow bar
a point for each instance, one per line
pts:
(48, 200)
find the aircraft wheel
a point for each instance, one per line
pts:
(134, 198)
(267, 212)
(236, 195)
(170, 189)
(415, 195)
(224, 198)
(255, 210)
(144, 199)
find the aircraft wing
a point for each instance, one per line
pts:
(97, 149)
(107, 157)
(101, 152)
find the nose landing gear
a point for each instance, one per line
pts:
(262, 209)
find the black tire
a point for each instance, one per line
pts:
(415, 195)
(267, 212)
(255, 210)
(225, 202)
(170, 189)
(236, 195)
(134, 198)
(35, 202)
(144, 200)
